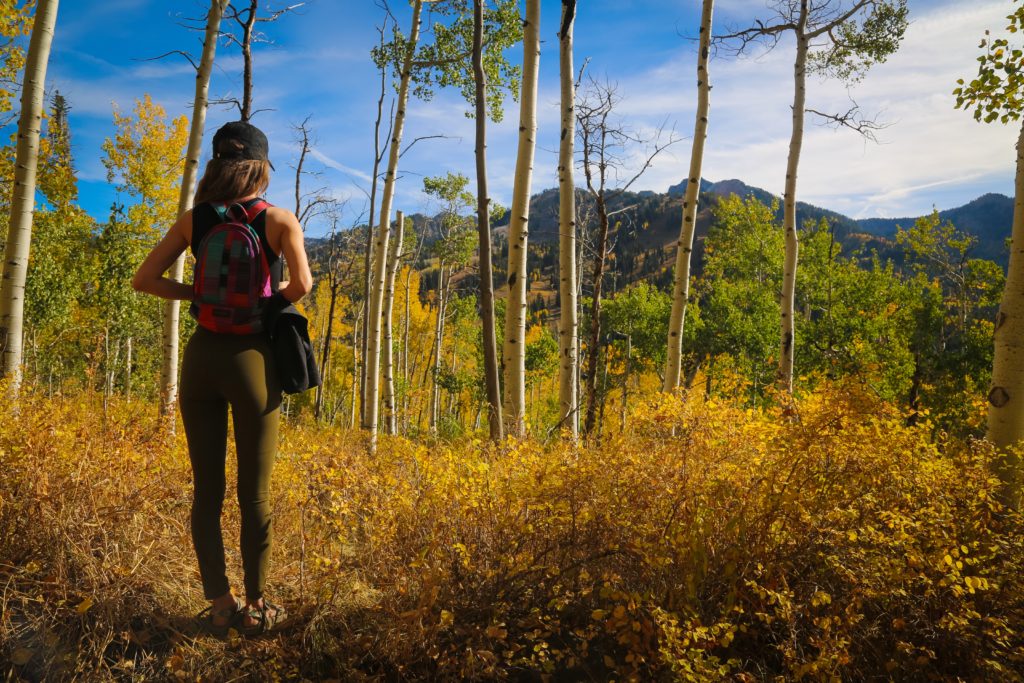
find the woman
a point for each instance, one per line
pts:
(221, 369)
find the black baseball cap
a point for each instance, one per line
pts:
(250, 141)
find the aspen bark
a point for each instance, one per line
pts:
(435, 391)
(355, 366)
(514, 350)
(787, 305)
(684, 248)
(172, 309)
(250, 21)
(594, 342)
(404, 355)
(568, 322)
(368, 253)
(373, 316)
(492, 381)
(1006, 397)
(19, 232)
(325, 355)
(390, 409)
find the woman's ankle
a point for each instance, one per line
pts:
(228, 600)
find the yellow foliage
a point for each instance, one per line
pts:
(146, 158)
(711, 542)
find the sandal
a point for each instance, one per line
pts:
(269, 618)
(230, 615)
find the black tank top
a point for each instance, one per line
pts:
(204, 217)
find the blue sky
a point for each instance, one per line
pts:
(318, 64)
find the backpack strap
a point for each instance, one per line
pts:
(241, 212)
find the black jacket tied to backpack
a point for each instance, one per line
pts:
(289, 340)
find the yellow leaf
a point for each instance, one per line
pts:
(447, 618)
(84, 606)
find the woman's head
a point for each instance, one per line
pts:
(239, 167)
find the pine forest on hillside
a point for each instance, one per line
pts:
(605, 432)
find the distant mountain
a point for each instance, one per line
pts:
(989, 218)
(645, 228)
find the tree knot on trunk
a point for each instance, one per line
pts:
(998, 397)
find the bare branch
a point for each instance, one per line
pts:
(229, 101)
(738, 42)
(839, 20)
(168, 54)
(276, 14)
(427, 137)
(622, 210)
(853, 120)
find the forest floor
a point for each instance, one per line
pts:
(710, 542)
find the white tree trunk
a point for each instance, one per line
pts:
(405, 355)
(373, 316)
(514, 350)
(19, 233)
(390, 409)
(789, 225)
(568, 322)
(172, 309)
(355, 368)
(492, 379)
(684, 248)
(1006, 397)
(435, 391)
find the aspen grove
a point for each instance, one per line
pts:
(638, 425)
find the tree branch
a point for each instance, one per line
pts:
(168, 54)
(427, 137)
(852, 120)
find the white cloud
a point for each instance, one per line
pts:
(928, 144)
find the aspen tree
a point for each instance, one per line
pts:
(247, 17)
(997, 95)
(481, 35)
(373, 316)
(787, 304)
(333, 280)
(491, 379)
(684, 248)
(831, 41)
(378, 157)
(390, 419)
(514, 349)
(19, 235)
(435, 392)
(172, 309)
(601, 141)
(568, 321)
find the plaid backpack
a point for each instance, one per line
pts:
(231, 280)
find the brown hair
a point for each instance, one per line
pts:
(227, 179)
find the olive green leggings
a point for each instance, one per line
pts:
(221, 370)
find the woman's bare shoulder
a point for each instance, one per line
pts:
(281, 216)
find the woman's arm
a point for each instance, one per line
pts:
(149, 278)
(294, 252)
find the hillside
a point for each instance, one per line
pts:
(646, 227)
